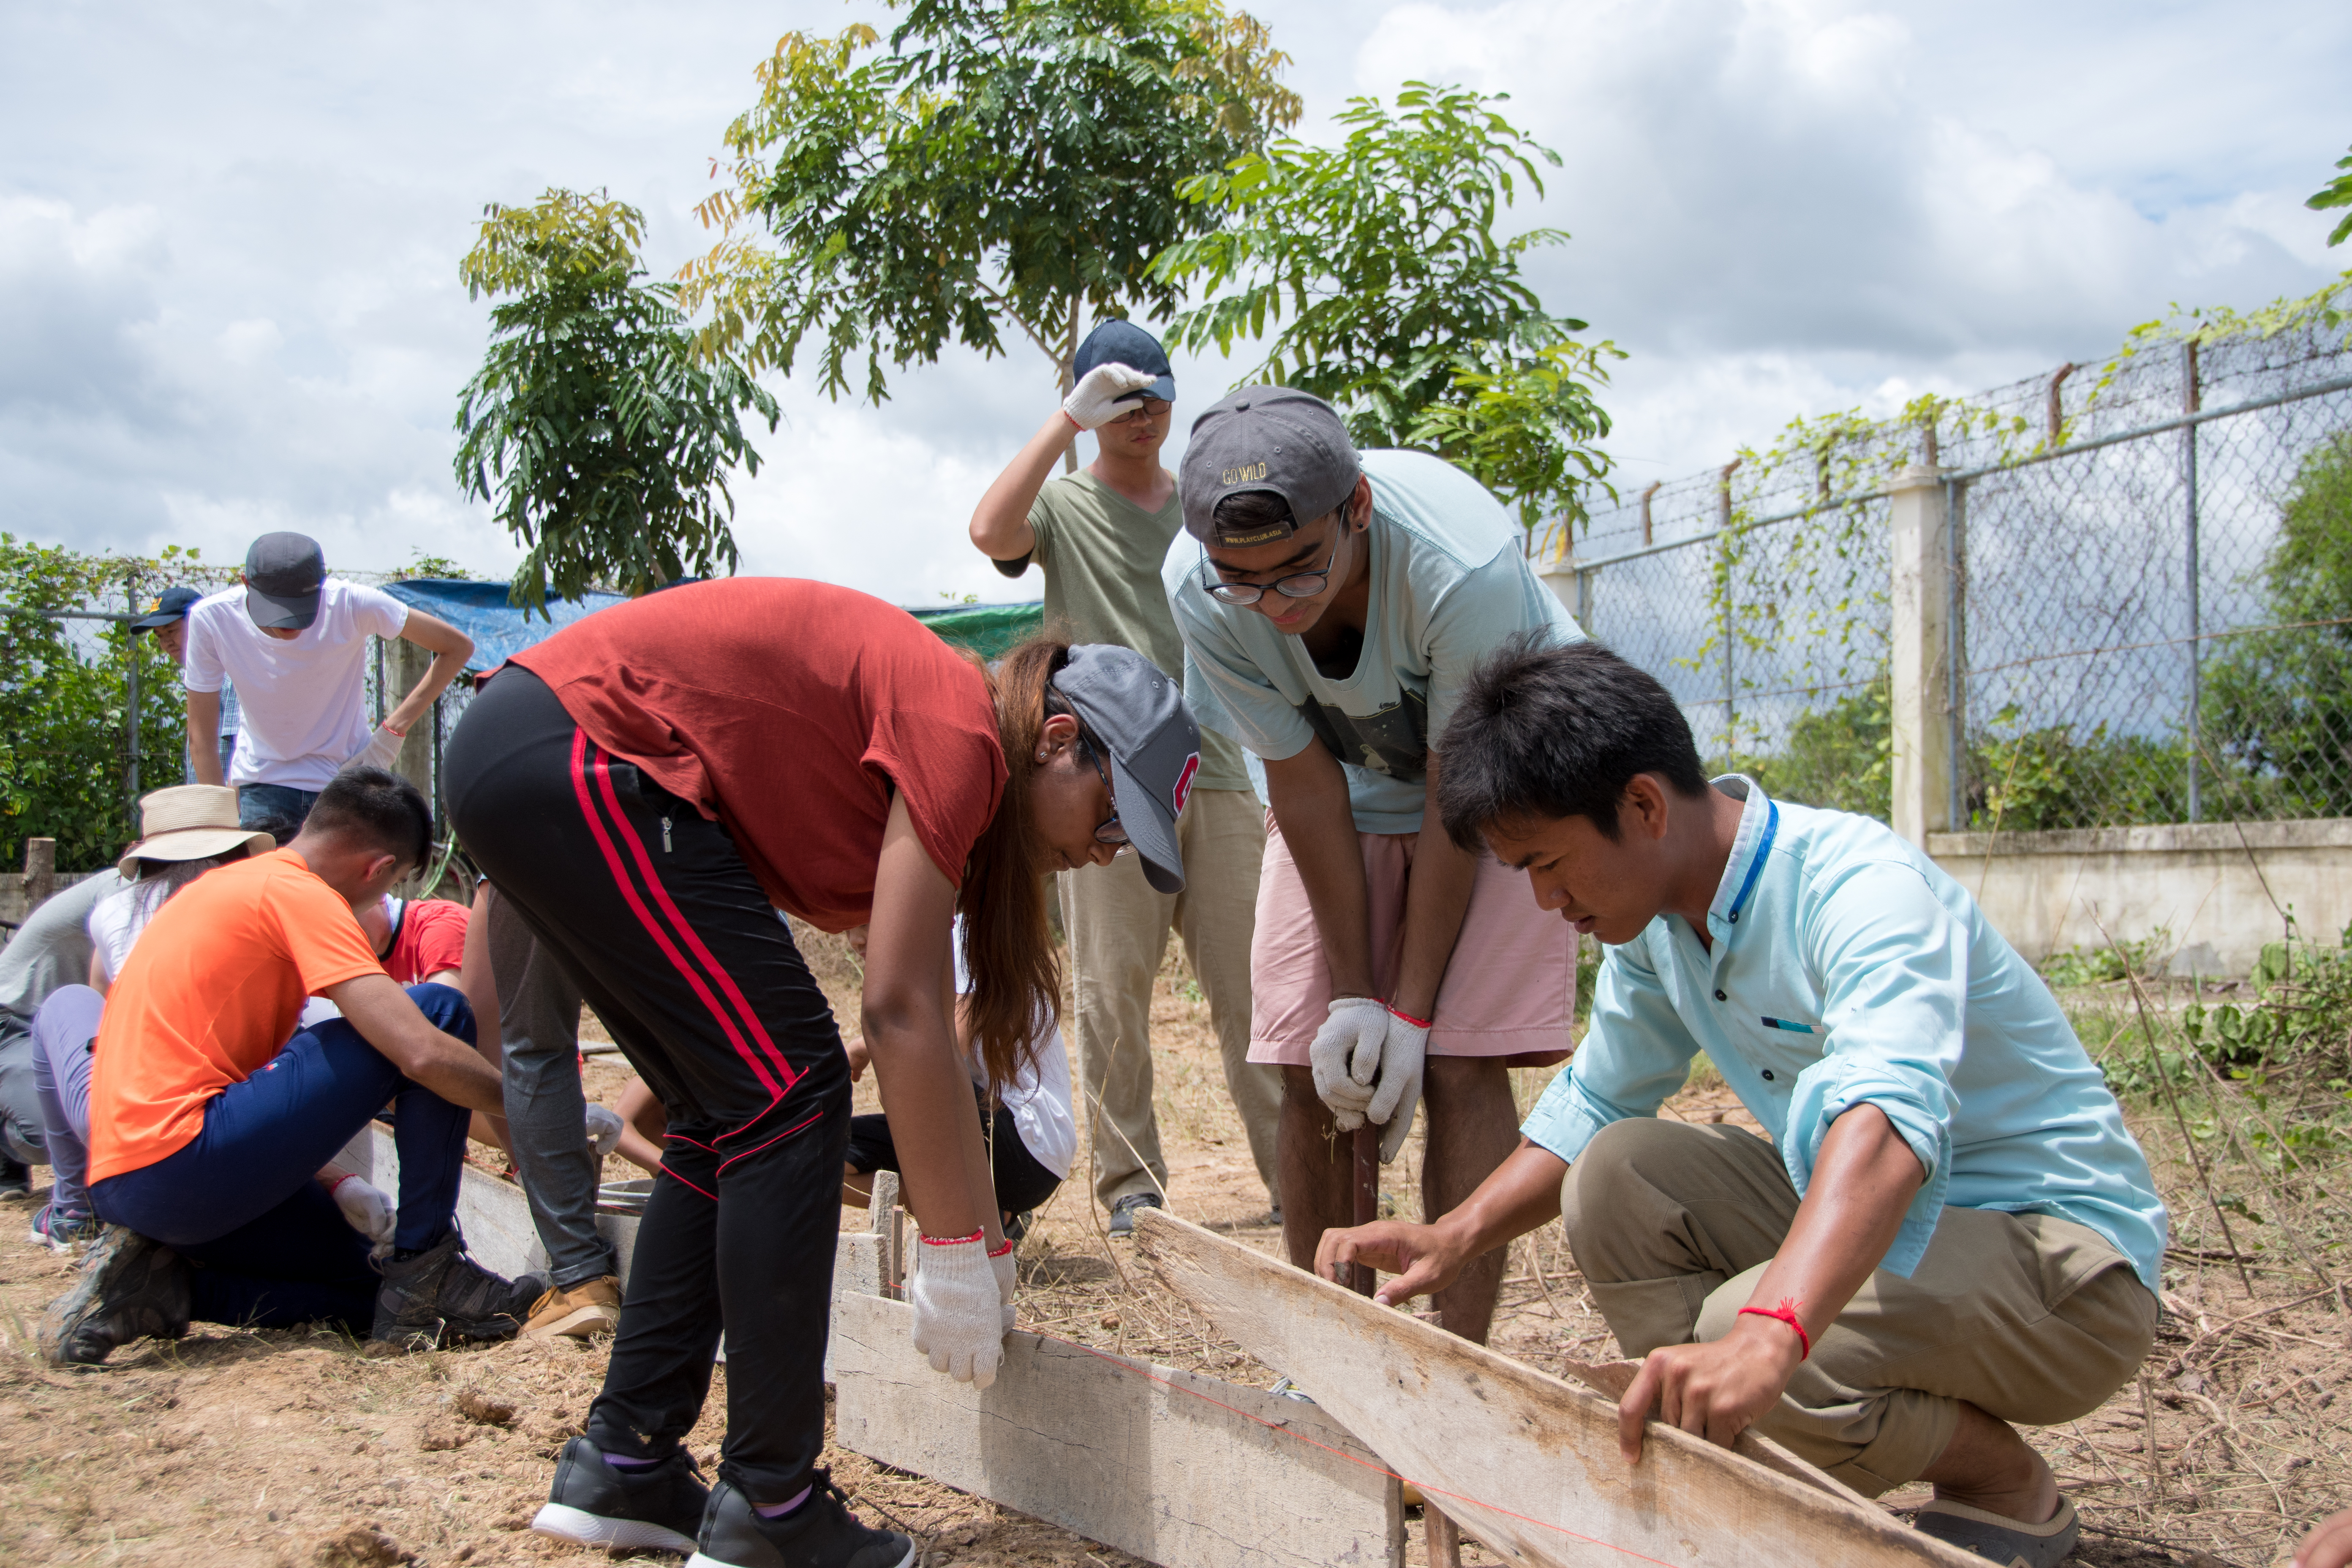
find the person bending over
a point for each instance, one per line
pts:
(1342, 604)
(208, 1124)
(1951, 1233)
(648, 787)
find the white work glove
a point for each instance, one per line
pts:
(1095, 401)
(368, 1209)
(379, 751)
(959, 1309)
(603, 1126)
(1008, 1280)
(1398, 1094)
(1345, 1056)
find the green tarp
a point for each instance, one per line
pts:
(989, 630)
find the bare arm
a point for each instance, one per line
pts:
(203, 736)
(1000, 524)
(386, 1018)
(1862, 1182)
(1310, 806)
(450, 649)
(1435, 902)
(1522, 1194)
(909, 1034)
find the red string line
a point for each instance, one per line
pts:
(1422, 1487)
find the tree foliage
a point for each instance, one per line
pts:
(592, 427)
(1377, 267)
(997, 162)
(2336, 192)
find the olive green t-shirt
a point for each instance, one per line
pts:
(1102, 554)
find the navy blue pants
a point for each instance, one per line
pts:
(271, 1248)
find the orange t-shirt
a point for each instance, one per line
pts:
(211, 991)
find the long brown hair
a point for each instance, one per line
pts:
(1017, 977)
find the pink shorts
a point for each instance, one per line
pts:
(1509, 990)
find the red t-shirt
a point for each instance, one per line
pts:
(432, 937)
(789, 710)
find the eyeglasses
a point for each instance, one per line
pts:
(1297, 586)
(1149, 408)
(1109, 832)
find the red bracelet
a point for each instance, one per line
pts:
(1416, 1022)
(1786, 1313)
(1002, 1250)
(980, 1234)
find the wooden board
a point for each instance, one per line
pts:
(1526, 1463)
(1089, 1443)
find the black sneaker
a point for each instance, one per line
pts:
(819, 1533)
(1122, 1213)
(623, 1508)
(441, 1292)
(129, 1288)
(15, 1182)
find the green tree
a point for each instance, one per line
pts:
(998, 162)
(598, 435)
(2336, 192)
(2280, 700)
(1377, 265)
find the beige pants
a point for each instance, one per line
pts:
(1119, 929)
(2031, 1318)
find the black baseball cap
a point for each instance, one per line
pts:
(1274, 438)
(171, 605)
(1124, 342)
(282, 573)
(1138, 715)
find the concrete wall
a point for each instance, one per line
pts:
(12, 892)
(2219, 887)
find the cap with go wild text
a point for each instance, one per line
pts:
(282, 574)
(1274, 438)
(1140, 717)
(1124, 342)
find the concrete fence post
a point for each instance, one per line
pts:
(1920, 595)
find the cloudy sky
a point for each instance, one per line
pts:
(229, 232)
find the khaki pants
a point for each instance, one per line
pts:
(1117, 928)
(2033, 1319)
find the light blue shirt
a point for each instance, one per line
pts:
(1449, 586)
(1848, 969)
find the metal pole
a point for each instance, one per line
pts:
(1955, 641)
(1730, 687)
(2189, 400)
(130, 686)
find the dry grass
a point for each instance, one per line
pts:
(297, 1449)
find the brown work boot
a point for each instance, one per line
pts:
(581, 1311)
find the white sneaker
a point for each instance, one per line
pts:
(604, 1126)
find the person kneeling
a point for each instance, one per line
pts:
(205, 1134)
(1954, 1233)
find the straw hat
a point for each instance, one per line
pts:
(188, 822)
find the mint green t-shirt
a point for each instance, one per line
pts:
(1102, 554)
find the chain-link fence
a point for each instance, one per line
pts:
(2152, 600)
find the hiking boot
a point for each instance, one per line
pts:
(15, 1181)
(819, 1533)
(1122, 1213)
(578, 1312)
(441, 1292)
(61, 1233)
(129, 1288)
(623, 1508)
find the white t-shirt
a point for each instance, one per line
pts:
(1039, 1094)
(302, 707)
(115, 922)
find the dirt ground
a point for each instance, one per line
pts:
(299, 1449)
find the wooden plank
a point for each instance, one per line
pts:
(1526, 1463)
(1089, 1443)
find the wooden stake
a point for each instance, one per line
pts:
(1362, 1277)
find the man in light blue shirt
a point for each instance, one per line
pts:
(1956, 1231)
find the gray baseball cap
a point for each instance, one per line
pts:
(282, 573)
(1274, 438)
(1140, 717)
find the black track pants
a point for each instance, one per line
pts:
(653, 913)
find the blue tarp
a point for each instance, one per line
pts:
(500, 630)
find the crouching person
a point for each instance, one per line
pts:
(208, 1123)
(1955, 1232)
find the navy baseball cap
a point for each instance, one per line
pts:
(282, 574)
(1124, 342)
(171, 605)
(1138, 715)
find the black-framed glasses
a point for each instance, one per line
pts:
(1109, 832)
(1149, 408)
(1297, 586)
